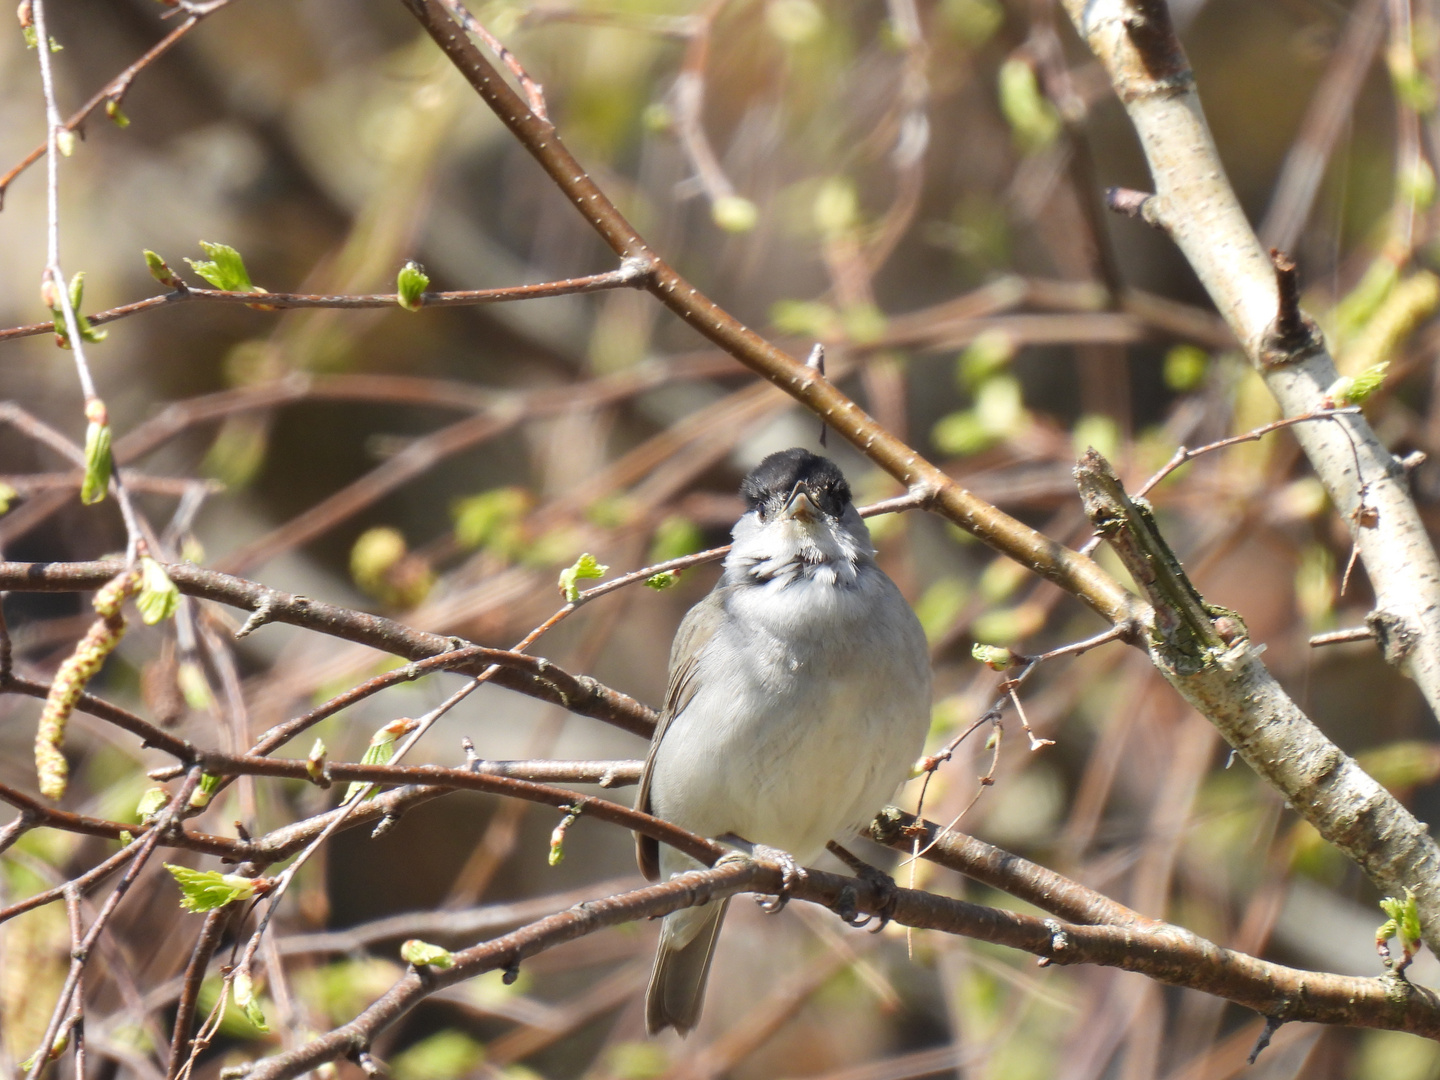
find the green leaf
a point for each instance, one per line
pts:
(973, 21)
(1404, 920)
(379, 752)
(1401, 766)
(837, 206)
(159, 596)
(243, 989)
(411, 285)
(734, 213)
(423, 954)
(662, 580)
(225, 269)
(492, 520)
(114, 112)
(638, 1061)
(1375, 286)
(97, 464)
(151, 803)
(940, 604)
(1185, 367)
(1000, 406)
(58, 1047)
(375, 552)
(864, 324)
(961, 433)
(805, 318)
(62, 329)
(1354, 389)
(206, 890)
(315, 762)
(1098, 431)
(557, 837)
(194, 687)
(584, 568)
(442, 1056)
(7, 496)
(984, 357)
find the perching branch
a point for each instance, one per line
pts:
(1165, 953)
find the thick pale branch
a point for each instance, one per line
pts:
(1217, 670)
(1195, 203)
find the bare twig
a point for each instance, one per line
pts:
(116, 89)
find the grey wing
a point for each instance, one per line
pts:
(695, 631)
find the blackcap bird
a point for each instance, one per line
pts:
(798, 701)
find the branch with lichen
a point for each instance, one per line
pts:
(1205, 652)
(1259, 297)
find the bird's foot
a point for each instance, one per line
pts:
(883, 884)
(791, 875)
(791, 872)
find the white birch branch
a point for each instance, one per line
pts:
(1206, 654)
(1195, 203)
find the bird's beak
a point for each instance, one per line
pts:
(800, 506)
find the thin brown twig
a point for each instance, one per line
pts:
(534, 92)
(1184, 454)
(116, 89)
(212, 931)
(143, 850)
(532, 675)
(626, 276)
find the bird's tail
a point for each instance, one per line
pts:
(682, 964)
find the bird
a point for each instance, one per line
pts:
(798, 701)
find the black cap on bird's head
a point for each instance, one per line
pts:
(796, 483)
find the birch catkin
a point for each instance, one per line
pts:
(70, 680)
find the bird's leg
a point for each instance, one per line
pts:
(791, 872)
(882, 882)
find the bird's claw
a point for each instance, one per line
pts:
(846, 905)
(884, 885)
(791, 875)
